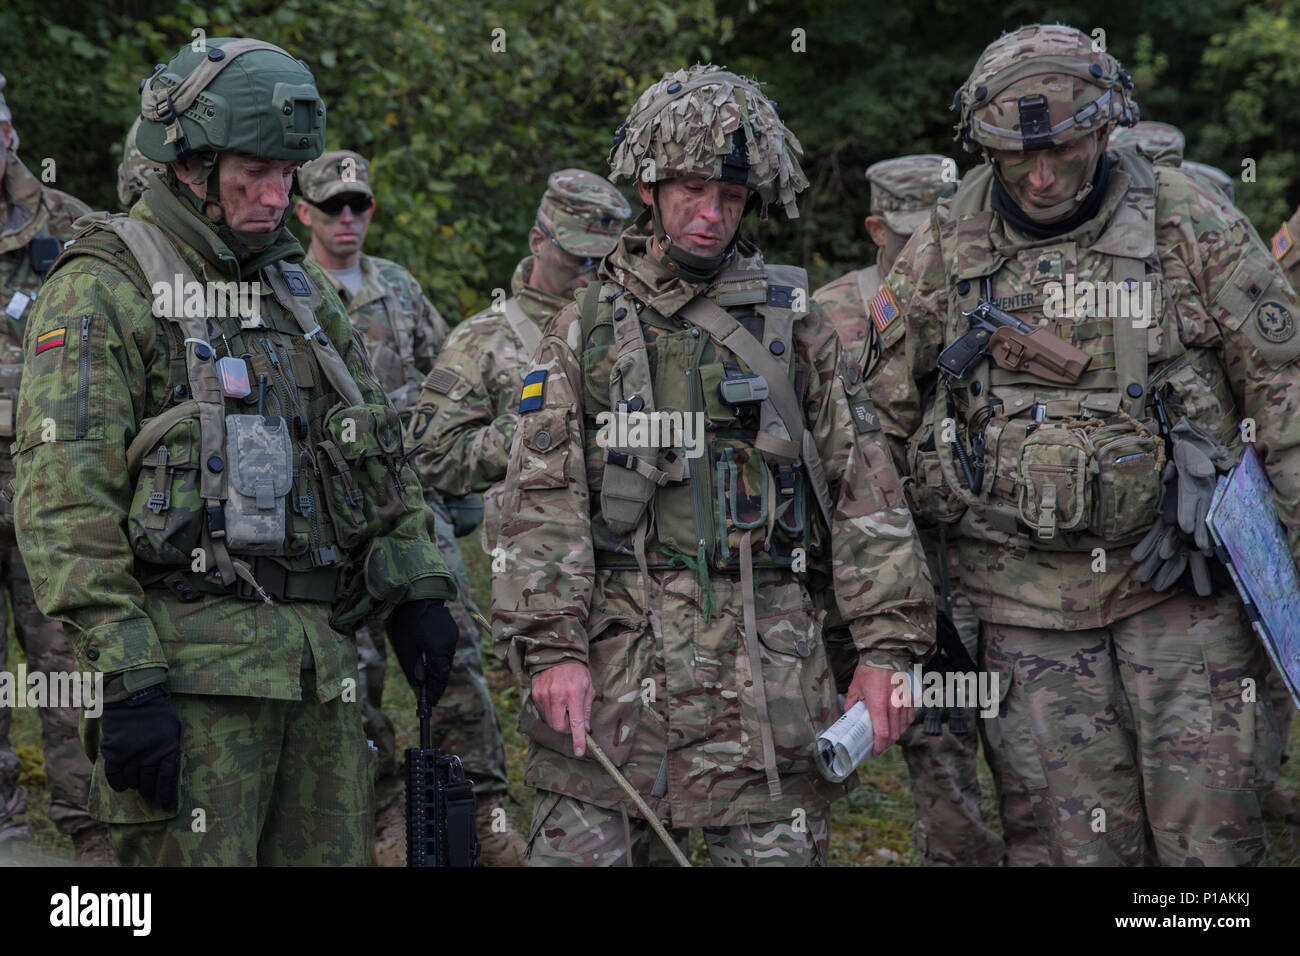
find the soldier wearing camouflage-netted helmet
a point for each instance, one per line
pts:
(1125, 665)
(240, 474)
(656, 588)
(134, 170)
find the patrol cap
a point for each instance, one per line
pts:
(1211, 176)
(583, 212)
(339, 171)
(905, 189)
(1161, 142)
(133, 171)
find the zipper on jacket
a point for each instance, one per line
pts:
(83, 379)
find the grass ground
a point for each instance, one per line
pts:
(872, 827)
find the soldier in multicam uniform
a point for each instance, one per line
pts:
(213, 563)
(37, 220)
(1128, 707)
(404, 334)
(1163, 144)
(134, 170)
(662, 599)
(468, 410)
(949, 828)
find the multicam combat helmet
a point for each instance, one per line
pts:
(133, 171)
(711, 123)
(1161, 143)
(1041, 86)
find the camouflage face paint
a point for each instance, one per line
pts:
(1042, 178)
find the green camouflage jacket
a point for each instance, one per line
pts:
(402, 329)
(1223, 338)
(99, 365)
(675, 702)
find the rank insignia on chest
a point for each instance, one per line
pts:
(50, 340)
(884, 308)
(530, 399)
(1281, 241)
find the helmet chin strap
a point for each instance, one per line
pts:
(688, 265)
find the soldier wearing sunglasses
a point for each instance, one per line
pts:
(404, 332)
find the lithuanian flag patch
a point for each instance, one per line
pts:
(530, 399)
(884, 308)
(51, 339)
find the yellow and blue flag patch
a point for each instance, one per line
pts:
(530, 399)
(51, 339)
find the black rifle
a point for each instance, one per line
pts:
(440, 802)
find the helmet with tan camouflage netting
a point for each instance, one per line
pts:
(1041, 86)
(711, 123)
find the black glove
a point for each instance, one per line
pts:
(140, 739)
(424, 637)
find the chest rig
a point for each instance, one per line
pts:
(275, 500)
(1056, 466)
(725, 364)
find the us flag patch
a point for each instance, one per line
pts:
(1281, 241)
(884, 309)
(51, 339)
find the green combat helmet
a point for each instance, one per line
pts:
(234, 96)
(711, 123)
(1162, 143)
(905, 189)
(582, 212)
(134, 169)
(1038, 87)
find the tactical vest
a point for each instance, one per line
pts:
(753, 483)
(275, 501)
(1065, 467)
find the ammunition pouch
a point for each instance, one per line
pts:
(165, 523)
(928, 495)
(360, 465)
(259, 455)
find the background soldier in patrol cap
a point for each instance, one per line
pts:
(1163, 144)
(468, 410)
(134, 170)
(949, 828)
(1125, 664)
(37, 220)
(660, 600)
(213, 505)
(404, 333)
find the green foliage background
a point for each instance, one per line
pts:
(462, 138)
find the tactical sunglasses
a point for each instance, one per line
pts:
(334, 205)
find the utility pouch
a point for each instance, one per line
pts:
(259, 453)
(625, 493)
(1126, 467)
(165, 522)
(1054, 493)
(360, 464)
(928, 494)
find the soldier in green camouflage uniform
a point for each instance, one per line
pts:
(657, 590)
(216, 586)
(134, 170)
(949, 829)
(1128, 704)
(404, 334)
(468, 410)
(32, 211)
